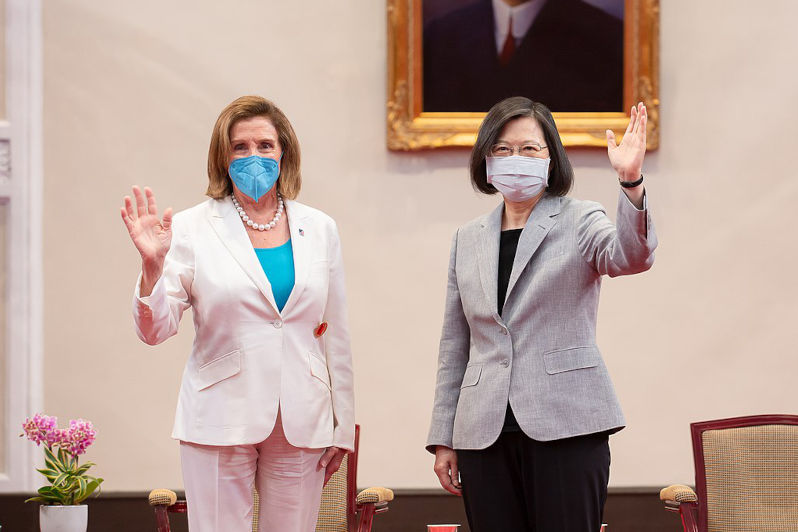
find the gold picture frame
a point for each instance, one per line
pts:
(409, 128)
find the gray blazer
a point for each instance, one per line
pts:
(541, 355)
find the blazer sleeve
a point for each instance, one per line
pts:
(621, 249)
(157, 316)
(452, 361)
(338, 350)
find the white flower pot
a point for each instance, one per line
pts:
(54, 518)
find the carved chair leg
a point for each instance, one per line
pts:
(162, 519)
(689, 514)
(366, 518)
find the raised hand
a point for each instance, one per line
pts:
(151, 235)
(627, 158)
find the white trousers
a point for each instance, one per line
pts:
(219, 480)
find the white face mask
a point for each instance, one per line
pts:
(518, 178)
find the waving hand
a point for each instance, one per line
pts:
(627, 158)
(151, 235)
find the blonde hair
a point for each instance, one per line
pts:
(219, 185)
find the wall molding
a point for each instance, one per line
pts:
(634, 509)
(5, 160)
(21, 185)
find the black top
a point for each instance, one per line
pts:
(507, 247)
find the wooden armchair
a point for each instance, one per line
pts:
(746, 476)
(342, 509)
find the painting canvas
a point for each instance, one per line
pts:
(451, 60)
(567, 54)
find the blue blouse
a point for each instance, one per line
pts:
(278, 265)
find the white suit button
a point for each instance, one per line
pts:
(505, 363)
(505, 331)
(277, 324)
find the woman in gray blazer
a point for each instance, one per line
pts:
(524, 404)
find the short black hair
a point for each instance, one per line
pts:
(561, 174)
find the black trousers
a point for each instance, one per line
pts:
(519, 484)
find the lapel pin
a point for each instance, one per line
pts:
(321, 329)
(301, 232)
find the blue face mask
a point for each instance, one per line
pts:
(254, 175)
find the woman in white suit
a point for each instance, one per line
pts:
(266, 397)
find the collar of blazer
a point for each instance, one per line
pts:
(540, 222)
(228, 227)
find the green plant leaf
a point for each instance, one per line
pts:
(47, 491)
(62, 479)
(48, 453)
(52, 460)
(51, 465)
(74, 486)
(51, 494)
(85, 467)
(95, 485)
(45, 500)
(88, 490)
(49, 473)
(67, 460)
(80, 492)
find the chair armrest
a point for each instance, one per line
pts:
(162, 497)
(371, 501)
(374, 495)
(677, 493)
(682, 499)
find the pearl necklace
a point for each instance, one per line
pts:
(260, 227)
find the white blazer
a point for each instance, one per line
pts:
(249, 359)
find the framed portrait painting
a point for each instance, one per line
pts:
(589, 61)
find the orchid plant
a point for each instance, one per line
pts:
(69, 483)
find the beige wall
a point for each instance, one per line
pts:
(132, 90)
